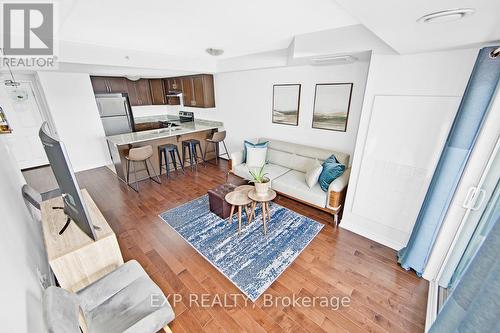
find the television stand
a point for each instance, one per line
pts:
(68, 221)
(74, 257)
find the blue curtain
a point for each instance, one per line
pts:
(470, 116)
(474, 305)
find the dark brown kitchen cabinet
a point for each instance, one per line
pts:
(139, 92)
(106, 85)
(173, 85)
(198, 91)
(187, 91)
(99, 84)
(157, 92)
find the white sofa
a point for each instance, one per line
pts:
(286, 166)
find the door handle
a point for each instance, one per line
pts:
(474, 198)
(467, 204)
(479, 199)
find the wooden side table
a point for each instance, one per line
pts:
(264, 200)
(246, 188)
(239, 199)
(75, 259)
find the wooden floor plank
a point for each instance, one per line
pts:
(384, 297)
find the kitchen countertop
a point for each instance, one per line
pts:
(184, 128)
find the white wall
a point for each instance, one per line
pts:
(244, 104)
(21, 253)
(436, 81)
(72, 105)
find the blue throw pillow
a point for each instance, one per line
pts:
(256, 145)
(332, 169)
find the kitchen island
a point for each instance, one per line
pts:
(120, 144)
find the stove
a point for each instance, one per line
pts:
(185, 116)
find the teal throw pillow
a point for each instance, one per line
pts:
(332, 169)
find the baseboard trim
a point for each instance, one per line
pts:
(361, 230)
(432, 304)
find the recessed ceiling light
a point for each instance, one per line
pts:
(446, 15)
(214, 52)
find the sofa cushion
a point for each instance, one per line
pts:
(305, 151)
(256, 156)
(331, 171)
(312, 174)
(247, 144)
(303, 163)
(293, 184)
(279, 157)
(273, 171)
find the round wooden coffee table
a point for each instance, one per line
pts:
(238, 199)
(245, 188)
(264, 201)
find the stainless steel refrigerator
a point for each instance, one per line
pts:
(116, 113)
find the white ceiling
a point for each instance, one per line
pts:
(394, 21)
(188, 27)
(167, 35)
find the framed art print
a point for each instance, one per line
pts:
(331, 106)
(286, 103)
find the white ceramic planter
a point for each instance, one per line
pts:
(262, 188)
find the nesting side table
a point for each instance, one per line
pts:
(264, 201)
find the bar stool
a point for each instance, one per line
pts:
(140, 154)
(194, 159)
(163, 152)
(216, 138)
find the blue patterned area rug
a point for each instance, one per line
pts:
(251, 261)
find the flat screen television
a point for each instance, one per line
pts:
(74, 205)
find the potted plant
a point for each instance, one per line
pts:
(261, 182)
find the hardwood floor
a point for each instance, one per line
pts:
(383, 297)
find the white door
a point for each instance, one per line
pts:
(25, 118)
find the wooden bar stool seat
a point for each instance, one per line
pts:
(141, 155)
(215, 140)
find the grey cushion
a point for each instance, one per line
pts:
(273, 171)
(60, 311)
(118, 302)
(121, 302)
(293, 184)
